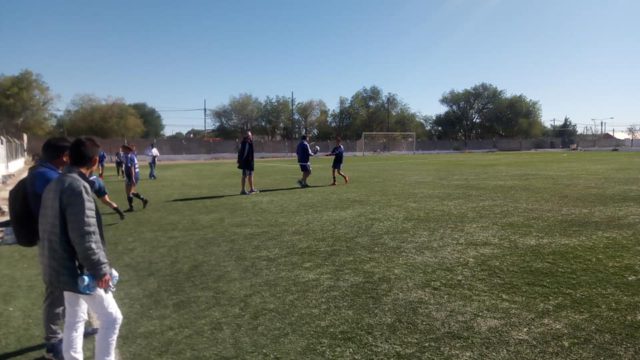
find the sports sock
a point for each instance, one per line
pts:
(130, 201)
(137, 196)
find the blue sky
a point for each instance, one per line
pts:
(577, 58)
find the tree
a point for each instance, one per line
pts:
(567, 132)
(468, 108)
(109, 118)
(25, 104)
(242, 113)
(368, 111)
(340, 118)
(310, 114)
(151, 120)
(484, 111)
(633, 131)
(513, 117)
(246, 110)
(275, 115)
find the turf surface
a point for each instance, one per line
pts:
(456, 256)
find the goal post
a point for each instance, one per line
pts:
(388, 142)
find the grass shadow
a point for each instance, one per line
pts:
(212, 197)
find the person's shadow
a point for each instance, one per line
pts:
(23, 351)
(212, 197)
(29, 349)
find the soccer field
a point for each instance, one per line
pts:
(453, 256)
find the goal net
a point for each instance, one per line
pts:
(387, 142)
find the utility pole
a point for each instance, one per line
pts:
(388, 110)
(205, 117)
(602, 124)
(293, 123)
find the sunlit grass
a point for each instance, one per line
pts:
(466, 256)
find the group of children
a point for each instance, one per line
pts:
(126, 163)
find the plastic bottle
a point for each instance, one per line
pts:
(88, 285)
(114, 279)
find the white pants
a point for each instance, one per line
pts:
(104, 306)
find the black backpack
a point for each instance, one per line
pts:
(23, 220)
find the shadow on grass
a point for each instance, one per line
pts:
(29, 349)
(212, 197)
(24, 351)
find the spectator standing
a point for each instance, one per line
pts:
(72, 244)
(246, 164)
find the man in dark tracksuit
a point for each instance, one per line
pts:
(246, 163)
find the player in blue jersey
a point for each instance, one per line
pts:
(119, 163)
(102, 158)
(338, 154)
(132, 176)
(303, 151)
(100, 190)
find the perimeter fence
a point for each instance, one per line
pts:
(201, 149)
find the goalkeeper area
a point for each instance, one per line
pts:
(508, 255)
(387, 143)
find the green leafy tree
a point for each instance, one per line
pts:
(110, 118)
(151, 120)
(567, 132)
(513, 117)
(25, 104)
(340, 118)
(242, 113)
(484, 111)
(309, 114)
(368, 111)
(275, 115)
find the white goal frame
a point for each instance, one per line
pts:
(364, 134)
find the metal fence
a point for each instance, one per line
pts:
(12, 155)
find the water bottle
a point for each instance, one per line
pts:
(87, 284)
(114, 279)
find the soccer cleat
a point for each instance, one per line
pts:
(53, 350)
(90, 331)
(244, 192)
(119, 212)
(300, 183)
(129, 210)
(253, 191)
(333, 184)
(145, 202)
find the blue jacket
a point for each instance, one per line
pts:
(38, 179)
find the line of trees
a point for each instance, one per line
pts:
(480, 112)
(280, 117)
(27, 106)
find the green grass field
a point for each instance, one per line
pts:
(456, 256)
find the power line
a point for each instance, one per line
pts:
(179, 110)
